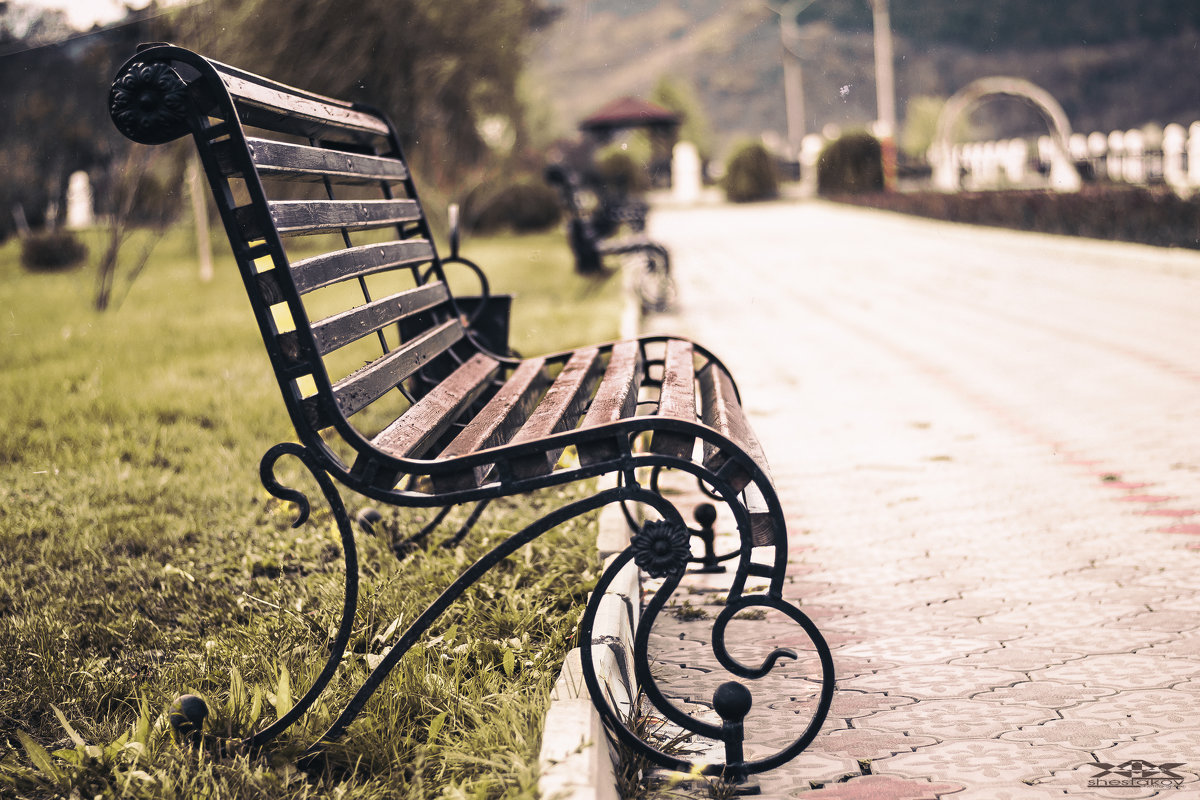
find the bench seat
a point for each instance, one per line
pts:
(599, 394)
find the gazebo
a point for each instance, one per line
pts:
(632, 113)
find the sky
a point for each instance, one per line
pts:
(82, 14)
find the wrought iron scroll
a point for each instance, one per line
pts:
(350, 603)
(655, 549)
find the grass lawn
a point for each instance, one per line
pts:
(143, 558)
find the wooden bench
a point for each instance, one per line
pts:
(593, 230)
(394, 397)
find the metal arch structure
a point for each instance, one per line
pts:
(1063, 175)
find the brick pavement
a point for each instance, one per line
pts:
(986, 445)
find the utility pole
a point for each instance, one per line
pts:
(885, 81)
(793, 79)
(885, 86)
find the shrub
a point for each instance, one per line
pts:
(523, 206)
(52, 251)
(851, 164)
(619, 172)
(1124, 213)
(750, 175)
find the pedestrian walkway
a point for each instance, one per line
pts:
(988, 448)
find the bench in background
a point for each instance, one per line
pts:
(605, 224)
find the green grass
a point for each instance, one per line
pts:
(144, 559)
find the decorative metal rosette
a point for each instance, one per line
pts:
(661, 548)
(148, 103)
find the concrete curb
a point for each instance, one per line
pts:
(577, 761)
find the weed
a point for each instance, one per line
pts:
(687, 612)
(638, 778)
(752, 613)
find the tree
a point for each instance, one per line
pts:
(27, 25)
(676, 94)
(920, 125)
(439, 69)
(54, 101)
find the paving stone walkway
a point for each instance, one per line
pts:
(988, 448)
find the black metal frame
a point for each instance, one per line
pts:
(670, 565)
(153, 103)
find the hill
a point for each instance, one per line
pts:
(1117, 65)
(985, 25)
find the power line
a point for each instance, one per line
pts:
(134, 18)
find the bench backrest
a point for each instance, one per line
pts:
(582, 233)
(328, 232)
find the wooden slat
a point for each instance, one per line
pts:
(495, 423)
(269, 104)
(677, 400)
(325, 270)
(559, 410)
(427, 419)
(351, 325)
(366, 385)
(616, 399)
(323, 216)
(762, 527)
(300, 162)
(721, 411)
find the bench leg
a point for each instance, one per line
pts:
(661, 549)
(450, 595)
(655, 285)
(350, 601)
(467, 525)
(186, 719)
(704, 514)
(405, 547)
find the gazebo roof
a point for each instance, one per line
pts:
(629, 112)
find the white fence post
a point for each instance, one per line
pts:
(1133, 165)
(1174, 145)
(1097, 145)
(79, 201)
(686, 182)
(1016, 159)
(1114, 161)
(1193, 154)
(810, 152)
